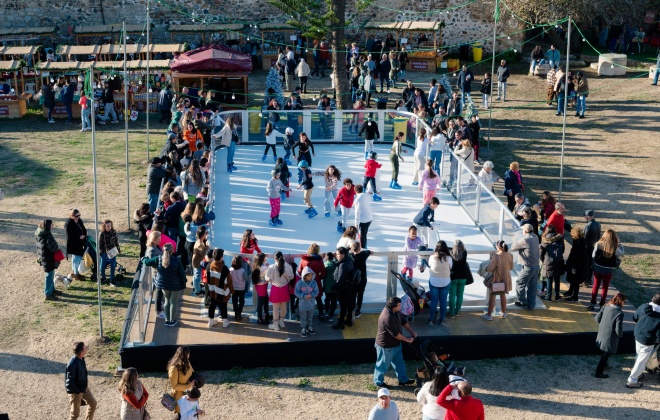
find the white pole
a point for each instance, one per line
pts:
(96, 208)
(492, 75)
(126, 114)
(148, 85)
(563, 131)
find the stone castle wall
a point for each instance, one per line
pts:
(470, 23)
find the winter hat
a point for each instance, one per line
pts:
(307, 271)
(589, 213)
(373, 155)
(156, 161)
(303, 164)
(274, 172)
(289, 130)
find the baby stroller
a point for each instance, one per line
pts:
(414, 298)
(432, 358)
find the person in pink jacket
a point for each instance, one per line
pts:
(430, 182)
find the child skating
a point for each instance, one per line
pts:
(345, 199)
(305, 182)
(289, 141)
(332, 176)
(371, 166)
(271, 141)
(285, 174)
(274, 188)
(429, 183)
(411, 243)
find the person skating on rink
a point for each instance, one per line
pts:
(371, 166)
(307, 185)
(274, 188)
(370, 130)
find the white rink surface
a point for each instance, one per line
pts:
(241, 202)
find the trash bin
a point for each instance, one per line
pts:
(381, 103)
(477, 52)
(255, 120)
(464, 53)
(452, 64)
(400, 125)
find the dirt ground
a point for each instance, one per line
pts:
(609, 165)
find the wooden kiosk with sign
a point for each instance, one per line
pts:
(233, 31)
(13, 104)
(269, 49)
(423, 54)
(10, 36)
(50, 69)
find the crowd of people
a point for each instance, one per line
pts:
(173, 230)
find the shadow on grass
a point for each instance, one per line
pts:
(23, 175)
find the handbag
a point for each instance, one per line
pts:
(497, 287)
(145, 414)
(168, 401)
(58, 256)
(469, 279)
(111, 253)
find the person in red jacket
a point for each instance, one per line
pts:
(371, 166)
(314, 261)
(556, 219)
(467, 408)
(345, 198)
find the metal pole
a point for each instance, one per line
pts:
(96, 212)
(563, 130)
(148, 85)
(126, 116)
(492, 73)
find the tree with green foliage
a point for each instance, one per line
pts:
(324, 20)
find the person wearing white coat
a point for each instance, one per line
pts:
(466, 154)
(302, 71)
(486, 175)
(363, 214)
(228, 138)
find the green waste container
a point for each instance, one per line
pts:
(477, 52)
(400, 124)
(255, 120)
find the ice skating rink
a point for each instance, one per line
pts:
(241, 202)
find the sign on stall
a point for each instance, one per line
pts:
(419, 65)
(4, 110)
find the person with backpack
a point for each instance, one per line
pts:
(359, 265)
(552, 258)
(343, 286)
(369, 86)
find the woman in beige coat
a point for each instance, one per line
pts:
(501, 264)
(134, 396)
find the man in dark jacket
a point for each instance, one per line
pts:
(502, 77)
(464, 82)
(75, 382)
(155, 176)
(108, 99)
(67, 99)
(384, 68)
(49, 100)
(289, 73)
(371, 133)
(165, 104)
(647, 336)
(344, 286)
(591, 236)
(408, 93)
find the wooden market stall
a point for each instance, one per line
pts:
(269, 48)
(424, 55)
(20, 35)
(113, 52)
(52, 70)
(377, 29)
(221, 72)
(163, 51)
(233, 32)
(112, 31)
(13, 104)
(73, 52)
(138, 94)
